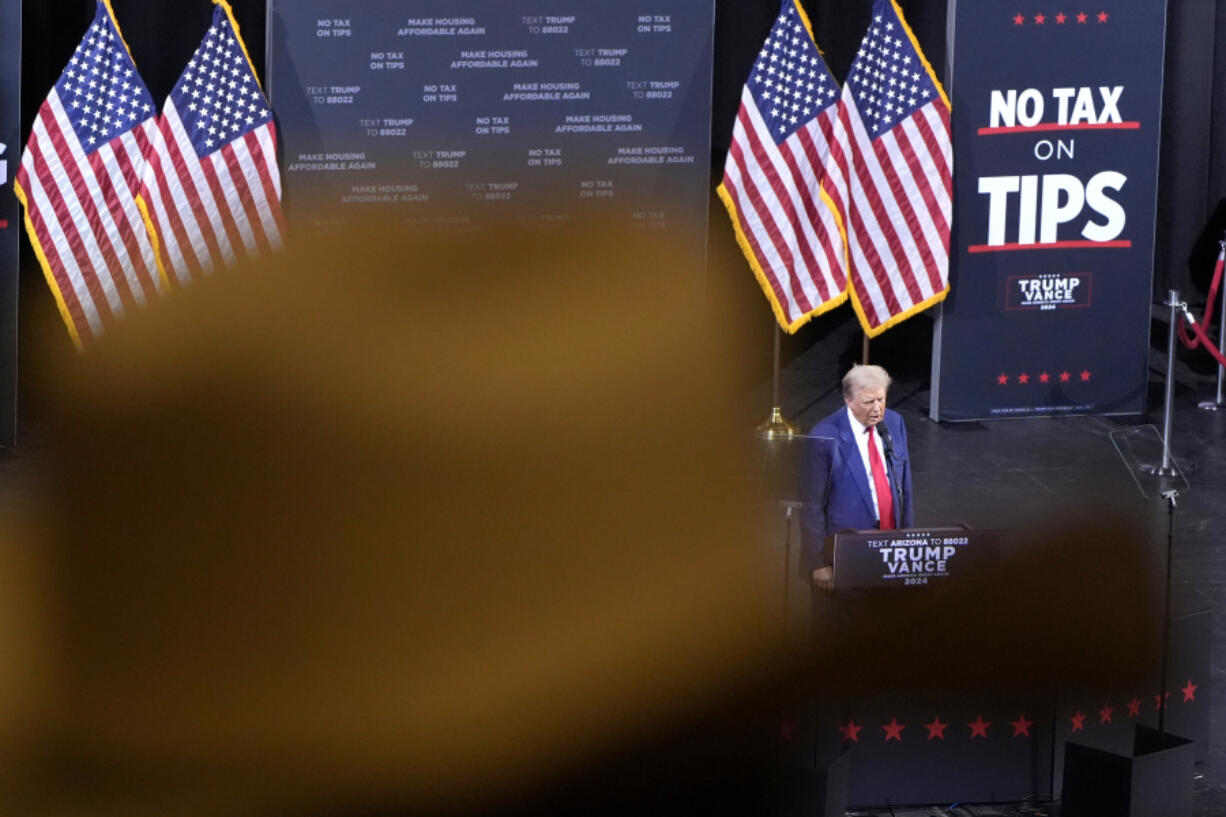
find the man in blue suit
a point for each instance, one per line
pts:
(859, 476)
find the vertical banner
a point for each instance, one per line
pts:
(458, 114)
(10, 212)
(1056, 130)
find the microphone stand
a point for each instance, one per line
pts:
(887, 441)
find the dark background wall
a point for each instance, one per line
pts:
(1192, 195)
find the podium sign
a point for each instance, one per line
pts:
(915, 557)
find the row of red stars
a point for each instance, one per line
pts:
(1021, 726)
(1043, 377)
(1061, 18)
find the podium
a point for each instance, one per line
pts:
(910, 557)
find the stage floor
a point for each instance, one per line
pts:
(1007, 473)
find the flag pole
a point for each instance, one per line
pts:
(776, 427)
(864, 351)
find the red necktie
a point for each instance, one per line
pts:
(885, 499)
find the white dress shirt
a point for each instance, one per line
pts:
(860, 431)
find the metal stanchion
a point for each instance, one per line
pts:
(1219, 404)
(1168, 410)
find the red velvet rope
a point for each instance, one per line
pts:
(1200, 331)
(1204, 340)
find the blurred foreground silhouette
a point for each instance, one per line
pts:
(453, 525)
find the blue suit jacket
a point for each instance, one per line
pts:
(837, 495)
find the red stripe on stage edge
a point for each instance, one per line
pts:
(1055, 245)
(1053, 126)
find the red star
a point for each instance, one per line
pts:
(1018, 20)
(1044, 377)
(1078, 721)
(1189, 692)
(851, 731)
(1085, 375)
(1105, 714)
(1060, 18)
(1160, 699)
(787, 730)
(1134, 707)
(936, 729)
(979, 729)
(1002, 379)
(893, 730)
(1081, 18)
(1039, 19)
(1064, 376)
(1102, 17)
(1021, 726)
(1023, 378)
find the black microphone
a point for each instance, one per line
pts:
(887, 440)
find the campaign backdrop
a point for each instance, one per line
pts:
(1056, 130)
(10, 212)
(457, 113)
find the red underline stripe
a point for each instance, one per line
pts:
(1055, 126)
(1055, 245)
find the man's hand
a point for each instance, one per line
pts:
(823, 578)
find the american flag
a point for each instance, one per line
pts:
(893, 182)
(212, 185)
(80, 173)
(772, 183)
